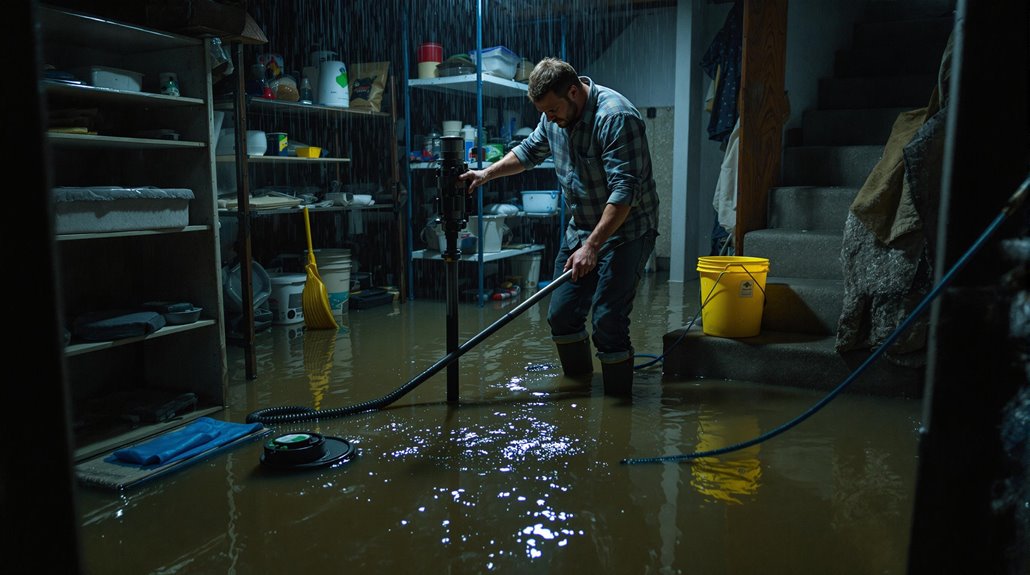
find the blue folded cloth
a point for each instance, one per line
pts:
(197, 437)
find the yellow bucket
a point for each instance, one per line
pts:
(733, 294)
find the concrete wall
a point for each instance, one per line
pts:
(640, 64)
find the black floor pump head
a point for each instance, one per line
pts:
(453, 202)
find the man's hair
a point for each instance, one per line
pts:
(551, 75)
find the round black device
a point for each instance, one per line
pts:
(305, 449)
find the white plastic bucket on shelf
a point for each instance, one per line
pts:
(287, 299)
(494, 232)
(540, 201)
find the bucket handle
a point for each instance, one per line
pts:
(726, 270)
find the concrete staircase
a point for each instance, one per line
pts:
(891, 67)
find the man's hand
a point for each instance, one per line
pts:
(582, 261)
(475, 178)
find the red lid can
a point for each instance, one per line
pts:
(430, 52)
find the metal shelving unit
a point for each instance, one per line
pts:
(246, 109)
(480, 86)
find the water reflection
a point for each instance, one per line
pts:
(524, 474)
(319, 349)
(730, 477)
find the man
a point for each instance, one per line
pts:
(598, 142)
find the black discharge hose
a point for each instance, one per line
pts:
(1010, 207)
(292, 414)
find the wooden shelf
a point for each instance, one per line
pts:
(131, 233)
(139, 433)
(264, 105)
(89, 347)
(83, 92)
(121, 142)
(95, 33)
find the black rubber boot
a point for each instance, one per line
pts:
(618, 378)
(575, 358)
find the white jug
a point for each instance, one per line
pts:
(333, 85)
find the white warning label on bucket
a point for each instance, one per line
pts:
(747, 288)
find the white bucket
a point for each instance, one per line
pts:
(327, 257)
(494, 232)
(336, 277)
(287, 299)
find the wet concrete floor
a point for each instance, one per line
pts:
(526, 474)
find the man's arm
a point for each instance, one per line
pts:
(506, 166)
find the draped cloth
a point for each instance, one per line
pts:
(889, 236)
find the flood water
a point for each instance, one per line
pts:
(525, 475)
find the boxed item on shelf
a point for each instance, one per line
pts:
(497, 61)
(111, 209)
(107, 77)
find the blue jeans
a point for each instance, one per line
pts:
(608, 290)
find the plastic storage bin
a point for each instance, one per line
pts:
(497, 61)
(113, 78)
(540, 201)
(102, 209)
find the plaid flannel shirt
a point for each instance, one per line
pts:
(602, 159)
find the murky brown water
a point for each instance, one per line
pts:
(525, 476)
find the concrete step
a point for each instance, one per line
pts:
(901, 47)
(797, 253)
(784, 359)
(893, 10)
(803, 305)
(907, 92)
(911, 32)
(829, 165)
(871, 126)
(888, 60)
(810, 207)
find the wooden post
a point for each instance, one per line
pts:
(763, 111)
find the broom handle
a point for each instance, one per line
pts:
(307, 230)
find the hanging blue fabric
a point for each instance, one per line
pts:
(724, 55)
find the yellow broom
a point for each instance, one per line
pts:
(317, 312)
